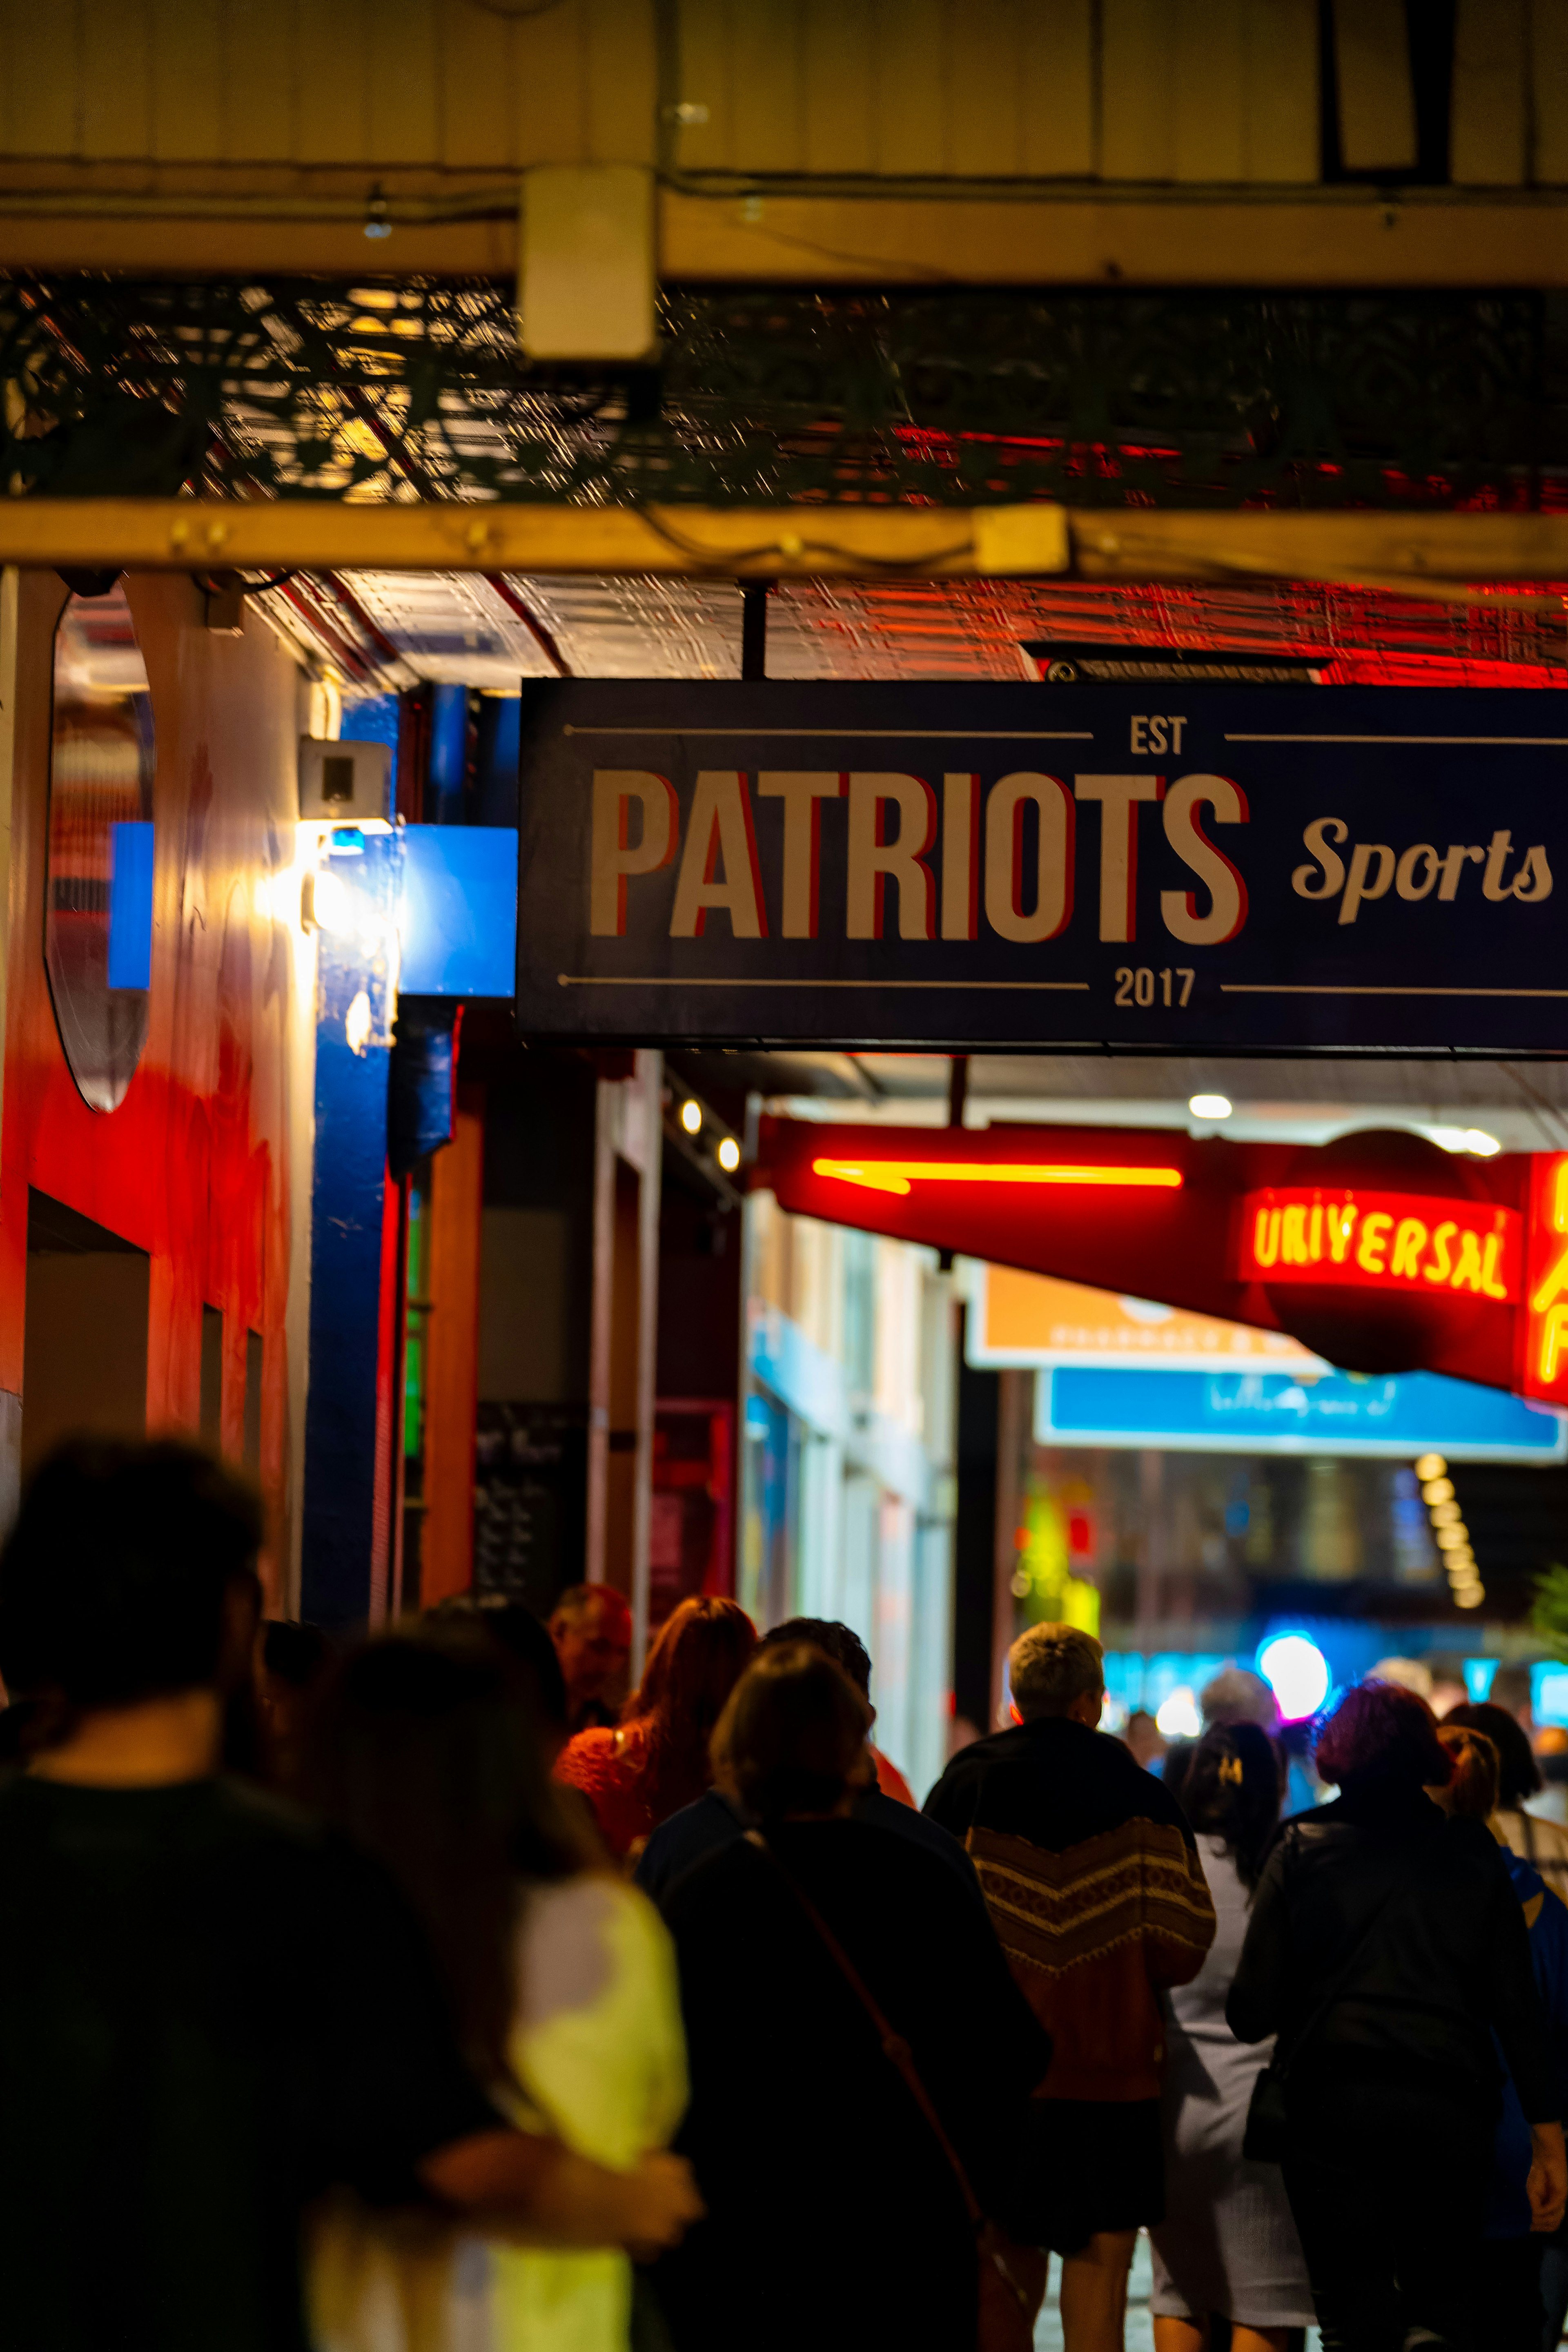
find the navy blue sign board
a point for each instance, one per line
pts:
(1145, 868)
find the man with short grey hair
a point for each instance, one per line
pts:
(1055, 1670)
(1094, 1886)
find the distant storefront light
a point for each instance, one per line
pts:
(1449, 1532)
(1178, 1718)
(1298, 1674)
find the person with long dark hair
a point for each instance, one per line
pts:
(836, 2220)
(656, 1759)
(1386, 1947)
(1543, 1843)
(1228, 2245)
(428, 1750)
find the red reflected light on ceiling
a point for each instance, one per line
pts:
(898, 1175)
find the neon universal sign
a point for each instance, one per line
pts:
(1381, 1241)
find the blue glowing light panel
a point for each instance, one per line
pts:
(130, 906)
(458, 918)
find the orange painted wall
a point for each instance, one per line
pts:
(194, 1165)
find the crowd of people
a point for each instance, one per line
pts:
(419, 1994)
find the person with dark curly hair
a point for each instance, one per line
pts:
(1386, 1947)
(213, 2009)
(1228, 2244)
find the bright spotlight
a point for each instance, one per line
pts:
(1210, 1107)
(1178, 1718)
(1471, 1598)
(1431, 1465)
(1298, 1674)
(728, 1155)
(691, 1116)
(1437, 1490)
(1484, 1146)
(325, 903)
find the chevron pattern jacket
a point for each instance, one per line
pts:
(1094, 1886)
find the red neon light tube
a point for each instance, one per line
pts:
(898, 1175)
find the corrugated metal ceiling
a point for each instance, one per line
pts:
(457, 627)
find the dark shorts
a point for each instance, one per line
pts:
(1096, 2164)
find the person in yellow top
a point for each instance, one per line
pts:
(561, 1975)
(598, 2052)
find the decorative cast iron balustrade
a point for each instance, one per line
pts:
(303, 389)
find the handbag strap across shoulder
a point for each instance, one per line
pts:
(894, 2047)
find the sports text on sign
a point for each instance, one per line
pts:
(1385, 1241)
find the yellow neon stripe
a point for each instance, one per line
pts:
(898, 1175)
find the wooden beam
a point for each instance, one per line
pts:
(1424, 553)
(1284, 236)
(1427, 554)
(777, 542)
(1284, 239)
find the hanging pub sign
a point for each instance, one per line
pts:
(1151, 866)
(1379, 1252)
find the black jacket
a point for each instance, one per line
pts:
(1440, 1957)
(834, 2221)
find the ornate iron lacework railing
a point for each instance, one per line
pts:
(299, 388)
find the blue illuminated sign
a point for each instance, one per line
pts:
(130, 906)
(458, 918)
(1270, 1413)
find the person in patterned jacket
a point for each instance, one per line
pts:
(1094, 1886)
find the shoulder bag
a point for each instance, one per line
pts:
(1012, 2277)
(1264, 2139)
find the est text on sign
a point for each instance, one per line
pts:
(1147, 867)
